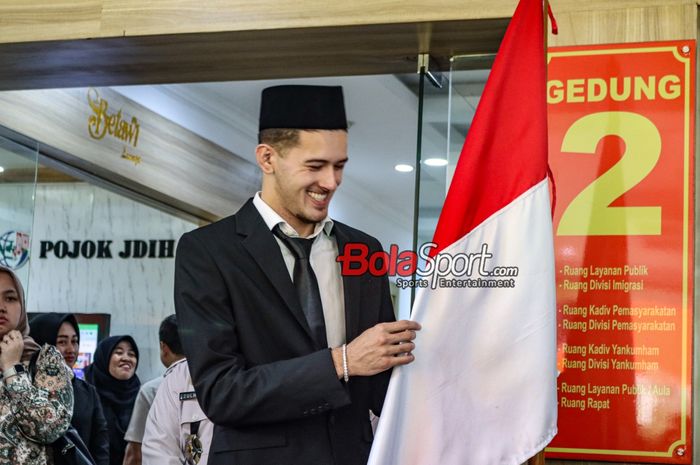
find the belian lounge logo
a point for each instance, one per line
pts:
(14, 249)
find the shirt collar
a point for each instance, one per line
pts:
(173, 365)
(272, 219)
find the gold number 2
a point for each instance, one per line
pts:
(590, 213)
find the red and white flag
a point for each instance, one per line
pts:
(482, 390)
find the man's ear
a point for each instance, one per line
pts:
(164, 348)
(263, 155)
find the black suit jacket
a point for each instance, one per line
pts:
(275, 400)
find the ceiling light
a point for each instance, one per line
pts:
(401, 168)
(2, 169)
(435, 162)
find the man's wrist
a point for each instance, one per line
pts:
(346, 375)
(337, 355)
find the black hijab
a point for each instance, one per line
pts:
(119, 395)
(44, 327)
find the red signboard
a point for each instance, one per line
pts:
(621, 125)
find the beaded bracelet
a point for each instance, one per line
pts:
(346, 376)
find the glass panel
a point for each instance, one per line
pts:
(430, 88)
(433, 154)
(106, 258)
(468, 74)
(18, 170)
(445, 113)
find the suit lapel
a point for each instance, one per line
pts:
(264, 249)
(351, 289)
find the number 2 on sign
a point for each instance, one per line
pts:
(590, 213)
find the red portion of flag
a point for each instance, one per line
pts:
(505, 152)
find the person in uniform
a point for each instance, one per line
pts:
(170, 352)
(177, 431)
(288, 356)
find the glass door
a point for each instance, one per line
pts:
(447, 103)
(18, 171)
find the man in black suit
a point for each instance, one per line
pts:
(288, 360)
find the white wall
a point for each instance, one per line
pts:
(138, 293)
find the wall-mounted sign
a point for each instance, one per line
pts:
(130, 248)
(103, 122)
(621, 125)
(14, 249)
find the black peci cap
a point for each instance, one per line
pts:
(303, 107)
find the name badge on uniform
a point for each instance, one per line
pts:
(190, 395)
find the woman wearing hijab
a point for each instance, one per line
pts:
(113, 373)
(61, 330)
(34, 411)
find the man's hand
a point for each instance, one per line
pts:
(11, 348)
(378, 349)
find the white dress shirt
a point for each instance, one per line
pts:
(327, 270)
(168, 422)
(144, 400)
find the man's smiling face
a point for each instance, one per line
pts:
(304, 178)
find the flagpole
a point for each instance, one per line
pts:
(422, 68)
(538, 459)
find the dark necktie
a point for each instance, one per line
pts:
(306, 285)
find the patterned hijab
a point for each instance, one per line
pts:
(30, 347)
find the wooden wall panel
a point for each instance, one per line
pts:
(167, 163)
(224, 56)
(142, 42)
(33, 20)
(651, 23)
(36, 20)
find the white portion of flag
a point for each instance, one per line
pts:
(482, 390)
